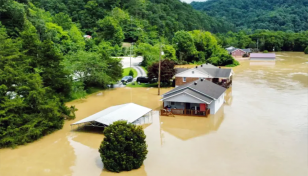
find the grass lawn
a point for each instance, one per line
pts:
(126, 72)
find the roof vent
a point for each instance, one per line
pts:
(201, 79)
(195, 83)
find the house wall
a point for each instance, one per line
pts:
(183, 98)
(215, 105)
(238, 53)
(177, 105)
(179, 80)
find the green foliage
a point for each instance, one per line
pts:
(265, 51)
(183, 42)
(124, 147)
(278, 15)
(27, 110)
(126, 72)
(306, 50)
(110, 30)
(131, 73)
(267, 40)
(63, 20)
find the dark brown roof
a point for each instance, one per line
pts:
(203, 90)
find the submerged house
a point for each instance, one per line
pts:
(263, 56)
(197, 98)
(217, 75)
(238, 52)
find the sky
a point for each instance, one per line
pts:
(189, 1)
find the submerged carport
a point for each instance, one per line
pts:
(130, 112)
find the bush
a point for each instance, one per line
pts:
(124, 147)
(131, 73)
(306, 50)
(265, 51)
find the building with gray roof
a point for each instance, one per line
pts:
(195, 98)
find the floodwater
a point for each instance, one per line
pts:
(261, 130)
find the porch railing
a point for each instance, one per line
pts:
(187, 112)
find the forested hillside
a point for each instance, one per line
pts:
(278, 15)
(45, 60)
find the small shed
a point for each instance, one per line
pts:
(263, 56)
(130, 112)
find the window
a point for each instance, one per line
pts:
(172, 103)
(184, 79)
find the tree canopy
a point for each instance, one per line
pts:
(277, 15)
(124, 147)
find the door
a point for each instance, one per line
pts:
(187, 107)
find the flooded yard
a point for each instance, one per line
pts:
(261, 130)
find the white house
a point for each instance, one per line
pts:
(198, 98)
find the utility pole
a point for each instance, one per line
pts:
(159, 70)
(130, 58)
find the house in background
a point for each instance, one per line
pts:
(237, 52)
(217, 75)
(263, 56)
(198, 98)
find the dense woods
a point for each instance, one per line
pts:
(277, 15)
(46, 59)
(53, 51)
(265, 40)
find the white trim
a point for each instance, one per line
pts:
(184, 79)
(164, 99)
(198, 98)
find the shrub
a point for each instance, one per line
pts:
(131, 73)
(124, 147)
(265, 51)
(306, 50)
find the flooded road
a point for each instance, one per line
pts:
(261, 130)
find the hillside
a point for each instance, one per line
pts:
(164, 16)
(285, 15)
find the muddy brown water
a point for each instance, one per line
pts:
(261, 130)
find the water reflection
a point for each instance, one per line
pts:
(188, 127)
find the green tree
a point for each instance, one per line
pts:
(306, 50)
(63, 20)
(183, 42)
(78, 42)
(27, 110)
(110, 30)
(52, 72)
(124, 147)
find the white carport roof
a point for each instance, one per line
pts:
(129, 112)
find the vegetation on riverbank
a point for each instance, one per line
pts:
(306, 50)
(265, 40)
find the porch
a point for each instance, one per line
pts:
(185, 109)
(224, 82)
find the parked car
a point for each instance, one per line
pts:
(127, 79)
(143, 79)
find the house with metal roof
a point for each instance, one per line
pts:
(209, 72)
(263, 56)
(198, 98)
